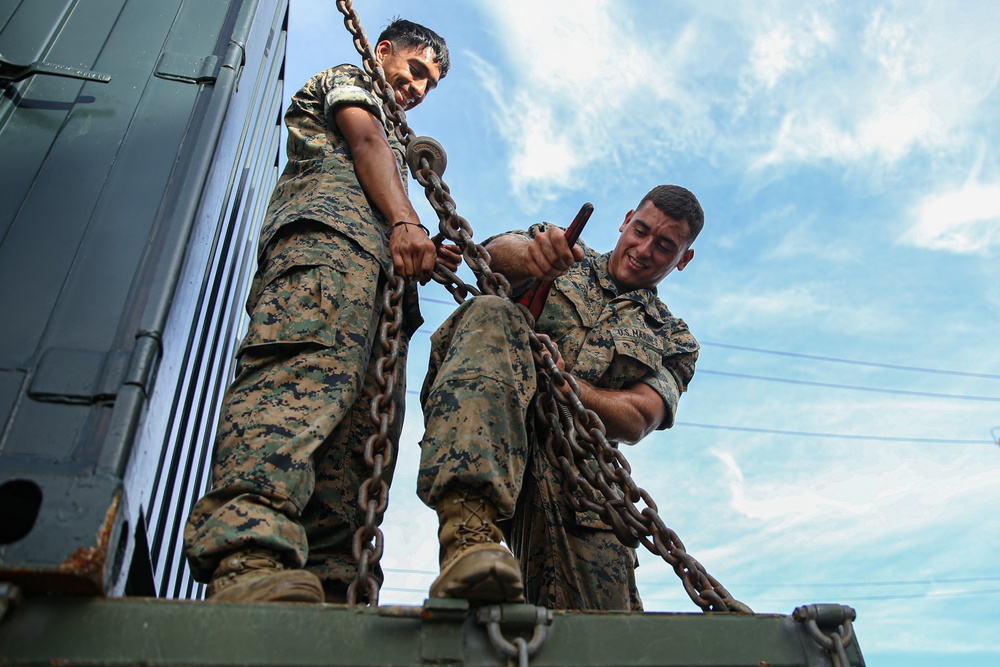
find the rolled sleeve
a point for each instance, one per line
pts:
(349, 85)
(671, 378)
(354, 96)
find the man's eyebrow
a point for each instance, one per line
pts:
(424, 70)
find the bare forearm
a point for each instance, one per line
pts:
(628, 415)
(378, 173)
(544, 257)
(412, 252)
(507, 257)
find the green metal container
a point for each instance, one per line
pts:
(137, 154)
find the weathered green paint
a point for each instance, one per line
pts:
(129, 206)
(133, 631)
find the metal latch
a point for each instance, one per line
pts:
(830, 626)
(538, 619)
(12, 72)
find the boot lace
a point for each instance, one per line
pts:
(475, 527)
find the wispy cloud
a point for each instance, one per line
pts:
(964, 220)
(895, 79)
(818, 496)
(580, 71)
(788, 86)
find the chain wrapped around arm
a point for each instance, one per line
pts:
(575, 436)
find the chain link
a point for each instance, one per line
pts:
(575, 436)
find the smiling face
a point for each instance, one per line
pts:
(652, 244)
(411, 71)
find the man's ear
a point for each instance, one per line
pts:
(628, 217)
(382, 49)
(686, 259)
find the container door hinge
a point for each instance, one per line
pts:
(65, 375)
(188, 69)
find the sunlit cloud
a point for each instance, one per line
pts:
(895, 495)
(965, 220)
(909, 81)
(785, 47)
(562, 113)
(863, 88)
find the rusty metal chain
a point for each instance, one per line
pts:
(373, 493)
(575, 435)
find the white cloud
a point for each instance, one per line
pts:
(784, 48)
(965, 220)
(584, 90)
(743, 304)
(911, 80)
(599, 83)
(887, 495)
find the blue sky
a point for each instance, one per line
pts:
(836, 442)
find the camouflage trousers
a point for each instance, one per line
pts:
(476, 399)
(290, 446)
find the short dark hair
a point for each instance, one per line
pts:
(408, 35)
(680, 204)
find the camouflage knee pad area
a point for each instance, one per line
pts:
(475, 402)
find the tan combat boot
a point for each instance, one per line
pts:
(474, 565)
(258, 576)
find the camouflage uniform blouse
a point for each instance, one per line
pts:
(319, 181)
(612, 339)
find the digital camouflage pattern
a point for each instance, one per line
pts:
(479, 384)
(289, 452)
(319, 182)
(289, 455)
(475, 401)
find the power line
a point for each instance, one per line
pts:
(770, 584)
(870, 584)
(853, 362)
(853, 598)
(443, 303)
(932, 594)
(799, 355)
(393, 569)
(857, 584)
(842, 436)
(810, 434)
(830, 385)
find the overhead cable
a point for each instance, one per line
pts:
(842, 436)
(854, 362)
(830, 385)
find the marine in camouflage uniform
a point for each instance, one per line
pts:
(294, 423)
(479, 436)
